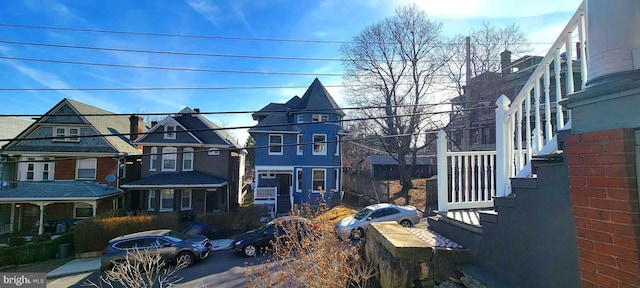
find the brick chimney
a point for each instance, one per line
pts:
(505, 62)
(197, 110)
(136, 125)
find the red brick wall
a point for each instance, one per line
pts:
(604, 196)
(66, 169)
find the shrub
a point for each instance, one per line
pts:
(16, 241)
(229, 223)
(33, 252)
(319, 258)
(94, 234)
(41, 238)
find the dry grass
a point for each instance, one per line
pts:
(418, 193)
(335, 214)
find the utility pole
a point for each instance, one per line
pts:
(466, 134)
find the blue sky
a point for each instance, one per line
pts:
(331, 20)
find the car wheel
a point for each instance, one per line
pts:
(405, 223)
(250, 250)
(186, 258)
(357, 233)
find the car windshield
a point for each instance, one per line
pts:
(362, 213)
(176, 236)
(264, 227)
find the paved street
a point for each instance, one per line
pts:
(220, 269)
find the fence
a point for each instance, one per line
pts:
(367, 189)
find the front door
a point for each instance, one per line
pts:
(284, 184)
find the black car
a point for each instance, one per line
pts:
(251, 242)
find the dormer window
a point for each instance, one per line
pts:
(70, 134)
(300, 118)
(169, 131)
(320, 118)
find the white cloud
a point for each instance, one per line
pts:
(492, 8)
(52, 6)
(206, 9)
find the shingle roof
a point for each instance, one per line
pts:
(181, 179)
(58, 190)
(10, 127)
(318, 98)
(200, 125)
(273, 123)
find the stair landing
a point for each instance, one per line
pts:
(434, 239)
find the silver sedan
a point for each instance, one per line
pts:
(354, 227)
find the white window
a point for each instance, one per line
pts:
(31, 168)
(169, 131)
(169, 158)
(320, 118)
(213, 152)
(152, 200)
(86, 168)
(318, 180)
(319, 144)
(46, 169)
(70, 134)
(185, 202)
(300, 118)
(268, 175)
(35, 169)
(166, 200)
(83, 210)
(275, 144)
(299, 180)
(300, 150)
(337, 145)
(187, 159)
(336, 177)
(153, 159)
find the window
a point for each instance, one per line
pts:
(169, 158)
(169, 131)
(300, 150)
(153, 159)
(66, 134)
(320, 118)
(31, 168)
(187, 159)
(213, 152)
(336, 178)
(318, 180)
(166, 200)
(185, 202)
(86, 168)
(300, 118)
(268, 175)
(35, 169)
(299, 180)
(152, 200)
(46, 168)
(337, 145)
(319, 144)
(275, 144)
(83, 210)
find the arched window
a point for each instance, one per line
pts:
(187, 159)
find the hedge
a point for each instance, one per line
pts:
(33, 252)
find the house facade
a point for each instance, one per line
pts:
(65, 166)
(298, 151)
(189, 165)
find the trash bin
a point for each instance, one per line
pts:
(64, 250)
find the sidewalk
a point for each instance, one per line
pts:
(78, 266)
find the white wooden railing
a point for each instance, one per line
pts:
(266, 193)
(524, 128)
(5, 228)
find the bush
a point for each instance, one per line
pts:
(34, 252)
(16, 241)
(41, 238)
(94, 234)
(228, 223)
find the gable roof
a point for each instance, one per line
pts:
(103, 121)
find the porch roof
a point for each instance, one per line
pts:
(190, 179)
(58, 191)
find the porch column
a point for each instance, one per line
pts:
(443, 177)
(41, 223)
(95, 207)
(12, 217)
(502, 147)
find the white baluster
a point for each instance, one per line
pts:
(538, 140)
(547, 106)
(569, 53)
(582, 37)
(473, 177)
(556, 71)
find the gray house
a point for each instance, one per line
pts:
(189, 165)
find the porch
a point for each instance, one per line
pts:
(273, 189)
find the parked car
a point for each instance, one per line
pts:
(173, 246)
(252, 242)
(354, 227)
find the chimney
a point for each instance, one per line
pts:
(154, 123)
(136, 126)
(505, 62)
(197, 110)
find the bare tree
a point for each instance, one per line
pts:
(393, 64)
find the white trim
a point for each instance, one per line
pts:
(66, 133)
(174, 155)
(323, 143)
(276, 132)
(170, 135)
(280, 168)
(299, 146)
(75, 212)
(272, 145)
(299, 177)
(95, 168)
(182, 196)
(324, 181)
(153, 157)
(320, 118)
(172, 192)
(336, 175)
(150, 203)
(337, 146)
(300, 118)
(213, 152)
(187, 151)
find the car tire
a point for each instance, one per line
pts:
(405, 223)
(185, 257)
(250, 250)
(357, 234)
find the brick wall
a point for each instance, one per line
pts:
(66, 169)
(604, 196)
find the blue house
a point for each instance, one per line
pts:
(298, 155)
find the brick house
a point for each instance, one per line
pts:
(64, 166)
